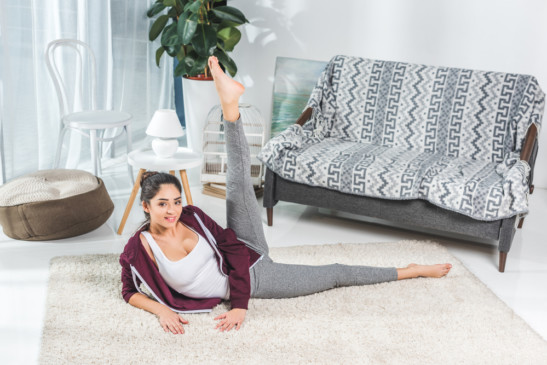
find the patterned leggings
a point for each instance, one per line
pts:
(270, 279)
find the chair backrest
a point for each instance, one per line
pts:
(455, 112)
(72, 67)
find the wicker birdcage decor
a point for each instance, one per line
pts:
(213, 172)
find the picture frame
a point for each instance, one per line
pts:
(294, 80)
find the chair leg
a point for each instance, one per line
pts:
(59, 147)
(100, 137)
(93, 146)
(134, 192)
(129, 143)
(113, 147)
(130, 170)
(99, 157)
(186, 187)
(129, 139)
(503, 259)
(269, 213)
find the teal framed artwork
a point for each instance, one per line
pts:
(294, 80)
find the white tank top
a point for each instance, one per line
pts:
(196, 275)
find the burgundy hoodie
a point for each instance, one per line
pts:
(233, 257)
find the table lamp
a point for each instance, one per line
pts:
(165, 126)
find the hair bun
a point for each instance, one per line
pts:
(146, 175)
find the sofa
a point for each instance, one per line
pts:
(440, 148)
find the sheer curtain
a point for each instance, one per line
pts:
(128, 78)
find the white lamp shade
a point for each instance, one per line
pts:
(165, 124)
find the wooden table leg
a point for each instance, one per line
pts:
(172, 172)
(186, 187)
(131, 200)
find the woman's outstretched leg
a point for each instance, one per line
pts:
(271, 280)
(242, 210)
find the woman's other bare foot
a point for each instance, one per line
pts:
(428, 271)
(228, 91)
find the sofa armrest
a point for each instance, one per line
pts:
(529, 140)
(529, 151)
(305, 116)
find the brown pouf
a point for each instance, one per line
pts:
(53, 204)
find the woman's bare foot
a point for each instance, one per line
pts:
(228, 91)
(433, 271)
(428, 271)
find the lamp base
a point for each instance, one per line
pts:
(165, 148)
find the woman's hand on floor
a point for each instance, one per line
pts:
(171, 321)
(228, 320)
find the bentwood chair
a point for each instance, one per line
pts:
(75, 84)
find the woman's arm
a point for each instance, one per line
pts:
(169, 320)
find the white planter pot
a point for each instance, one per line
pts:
(199, 97)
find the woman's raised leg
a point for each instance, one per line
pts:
(242, 210)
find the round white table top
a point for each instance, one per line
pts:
(184, 159)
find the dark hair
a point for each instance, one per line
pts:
(151, 182)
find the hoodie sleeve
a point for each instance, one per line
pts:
(237, 258)
(128, 285)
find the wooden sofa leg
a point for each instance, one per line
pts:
(269, 213)
(503, 258)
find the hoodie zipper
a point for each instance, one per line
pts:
(212, 240)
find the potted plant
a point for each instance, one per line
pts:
(191, 31)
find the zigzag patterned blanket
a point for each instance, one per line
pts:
(395, 130)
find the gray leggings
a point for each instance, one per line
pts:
(270, 279)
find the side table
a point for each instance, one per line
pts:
(146, 159)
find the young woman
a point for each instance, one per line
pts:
(188, 263)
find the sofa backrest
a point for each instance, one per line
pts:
(457, 112)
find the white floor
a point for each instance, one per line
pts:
(24, 265)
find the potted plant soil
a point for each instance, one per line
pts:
(191, 31)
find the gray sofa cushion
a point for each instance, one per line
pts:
(470, 187)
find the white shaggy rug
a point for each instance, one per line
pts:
(452, 320)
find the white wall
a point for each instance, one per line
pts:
(493, 35)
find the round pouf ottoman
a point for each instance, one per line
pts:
(53, 204)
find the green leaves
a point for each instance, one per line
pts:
(157, 27)
(198, 67)
(204, 40)
(230, 37)
(197, 30)
(156, 8)
(184, 66)
(230, 13)
(186, 27)
(159, 53)
(193, 6)
(192, 65)
(226, 61)
(170, 36)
